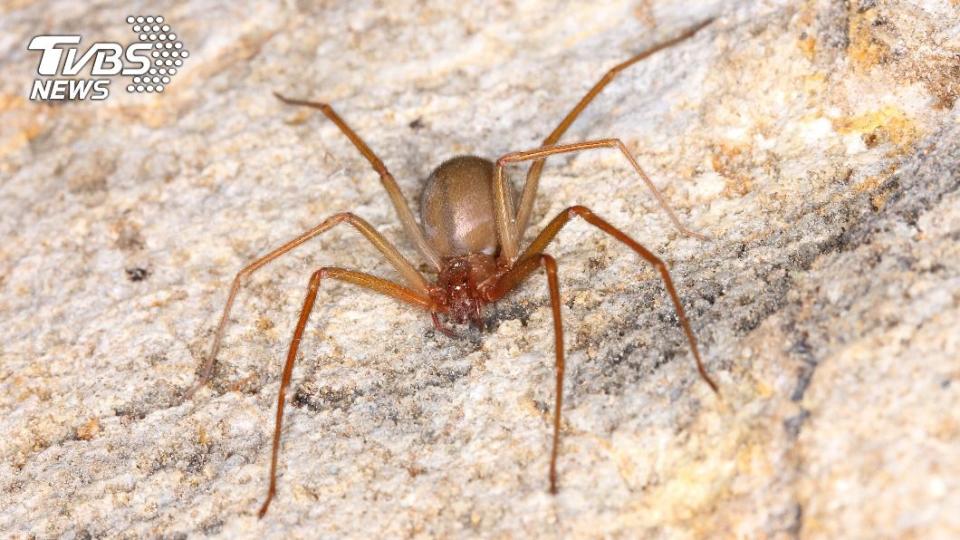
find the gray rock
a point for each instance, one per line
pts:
(817, 143)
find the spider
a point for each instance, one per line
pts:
(470, 236)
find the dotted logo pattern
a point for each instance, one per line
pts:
(168, 53)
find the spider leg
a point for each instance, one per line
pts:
(551, 230)
(533, 174)
(387, 179)
(360, 279)
(393, 256)
(507, 230)
(507, 283)
(443, 329)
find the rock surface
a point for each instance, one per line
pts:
(817, 142)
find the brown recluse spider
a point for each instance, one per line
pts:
(470, 237)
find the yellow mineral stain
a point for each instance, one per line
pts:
(808, 46)
(264, 324)
(763, 390)
(625, 464)
(947, 430)
(11, 101)
(527, 404)
(879, 200)
(689, 493)
(696, 484)
(728, 160)
(869, 183)
(15, 5)
(88, 430)
(865, 49)
(814, 83)
(751, 460)
(885, 125)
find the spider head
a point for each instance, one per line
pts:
(459, 284)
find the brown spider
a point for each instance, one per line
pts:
(470, 236)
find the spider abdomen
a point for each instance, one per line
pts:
(456, 207)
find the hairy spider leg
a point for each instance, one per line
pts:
(533, 174)
(507, 229)
(389, 183)
(360, 279)
(551, 230)
(398, 261)
(507, 283)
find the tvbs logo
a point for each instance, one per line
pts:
(151, 62)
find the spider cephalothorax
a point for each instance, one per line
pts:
(464, 285)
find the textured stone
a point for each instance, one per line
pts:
(816, 142)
